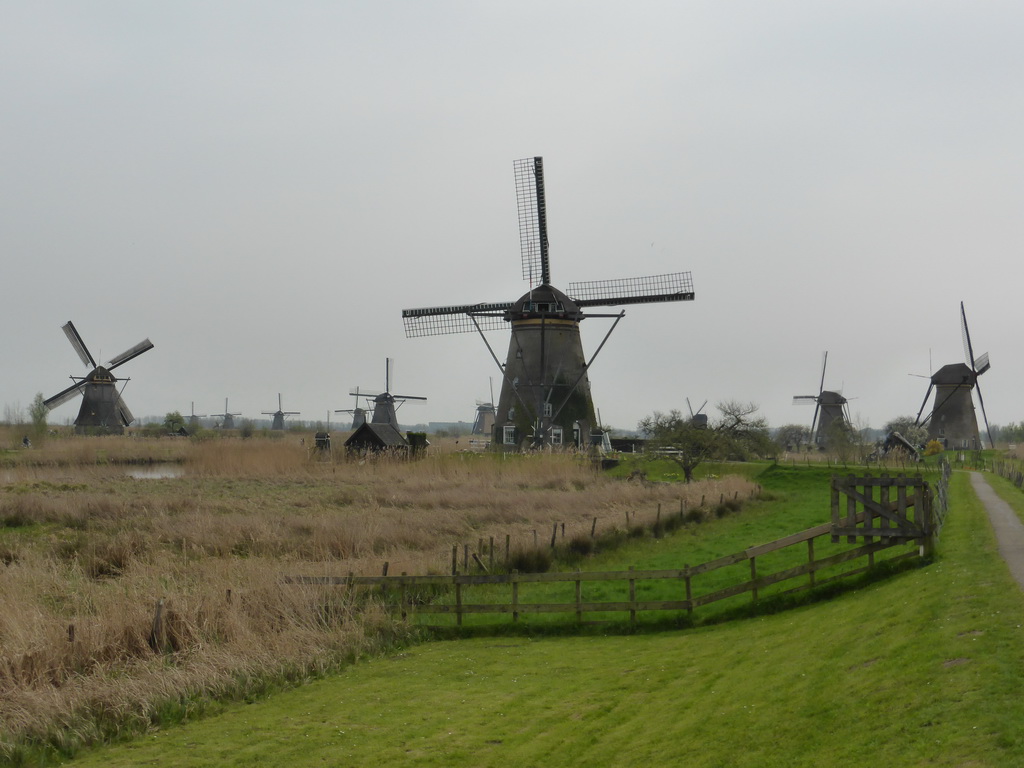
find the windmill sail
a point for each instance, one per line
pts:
(78, 344)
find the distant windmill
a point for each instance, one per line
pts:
(698, 419)
(545, 392)
(193, 420)
(279, 414)
(103, 410)
(358, 413)
(829, 407)
(227, 418)
(483, 424)
(384, 402)
(952, 420)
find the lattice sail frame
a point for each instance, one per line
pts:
(440, 321)
(674, 286)
(533, 230)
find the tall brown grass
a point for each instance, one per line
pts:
(87, 552)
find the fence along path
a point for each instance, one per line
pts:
(871, 518)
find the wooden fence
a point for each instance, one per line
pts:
(878, 514)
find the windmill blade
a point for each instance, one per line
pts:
(804, 399)
(966, 336)
(924, 403)
(76, 341)
(408, 397)
(824, 362)
(982, 364)
(981, 402)
(63, 396)
(129, 354)
(123, 412)
(439, 321)
(690, 407)
(533, 225)
(814, 421)
(675, 286)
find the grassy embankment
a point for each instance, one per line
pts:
(919, 669)
(87, 551)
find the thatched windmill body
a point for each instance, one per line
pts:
(227, 418)
(830, 408)
(193, 419)
(483, 422)
(279, 415)
(358, 412)
(952, 420)
(103, 410)
(384, 403)
(545, 397)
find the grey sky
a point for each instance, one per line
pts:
(261, 188)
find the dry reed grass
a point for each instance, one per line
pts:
(88, 547)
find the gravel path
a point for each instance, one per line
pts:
(1008, 527)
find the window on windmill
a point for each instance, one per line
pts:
(508, 436)
(511, 413)
(548, 409)
(556, 435)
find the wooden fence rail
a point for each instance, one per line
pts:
(874, 523)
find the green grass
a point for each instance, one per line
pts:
(920, 669)
(796, 498)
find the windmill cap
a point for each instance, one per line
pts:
(828, 397)
(545, 300)
(955, 373)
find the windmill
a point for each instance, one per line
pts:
(545, 391)
(698, 419)
(828, 405)
(483, 424)
(358, 413)
(384, 403)
(952, 420)
(279, 414)
(103, 409)
(193, 419)
(227, 418)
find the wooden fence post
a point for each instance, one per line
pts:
(508, 550)
(689, 589)
(593, 528)
(579, 600)
(455, 559)
(632, 598)
(753, 578)
(810, 561)
(515, 596)
(554, 534)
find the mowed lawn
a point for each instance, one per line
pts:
(926, 668)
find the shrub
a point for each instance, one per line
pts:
(530, 560)
(933, 447)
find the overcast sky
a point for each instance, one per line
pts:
(261, 187)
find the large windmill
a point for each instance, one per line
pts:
(103, 409)
(545, 393)
(227, 418)
(829, 408)
(384, 402)
(952, 420)
(279, 414)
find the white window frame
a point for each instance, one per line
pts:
(508, 435)
(557, 434)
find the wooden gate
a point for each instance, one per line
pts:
(892, 509)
